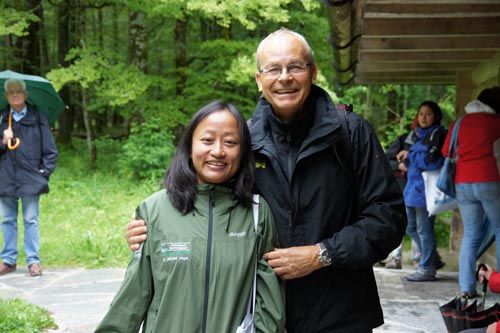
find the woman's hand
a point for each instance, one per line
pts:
(485, 273)
(402, 156)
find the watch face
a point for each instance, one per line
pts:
(323, 255)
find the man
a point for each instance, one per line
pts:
(333, 223)
(24, 174)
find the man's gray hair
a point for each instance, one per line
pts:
(283, 32)
(20, 82)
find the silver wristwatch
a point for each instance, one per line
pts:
(324, 257)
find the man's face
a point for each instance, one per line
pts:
(16, 96)
(286, 92)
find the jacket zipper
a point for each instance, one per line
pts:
(211, 204)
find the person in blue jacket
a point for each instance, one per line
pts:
(424, 154)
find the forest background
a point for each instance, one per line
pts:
(132, 73)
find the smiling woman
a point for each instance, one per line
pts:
(202, 246)
(216, 151)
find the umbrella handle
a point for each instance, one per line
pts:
(15, 145)
(17, 140)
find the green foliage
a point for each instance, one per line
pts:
(114, 83)
(18, 316)
(248, 13)
(147, 152)
(213, 74)
(15, 22)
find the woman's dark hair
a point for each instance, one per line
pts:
(438, 114)
(180, 178)
(491, 97)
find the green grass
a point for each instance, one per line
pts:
(83, 218)
(18, 316)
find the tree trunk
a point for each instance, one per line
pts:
(88, 132)
(137, 49)
(180, 54)
(137, 45)
(402, 117)
(31, 47)
(66, 25)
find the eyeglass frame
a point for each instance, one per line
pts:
(17, 92)
(302, 69)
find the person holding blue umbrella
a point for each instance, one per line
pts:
(28, 156)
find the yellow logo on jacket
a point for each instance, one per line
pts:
(260, 164)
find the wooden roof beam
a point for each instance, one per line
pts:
(396, 66)
(426, 55)
(360, 79)
(431, 43)
(433, 7)
(431, 26)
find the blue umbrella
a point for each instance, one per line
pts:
(487, 237)
(40, 93)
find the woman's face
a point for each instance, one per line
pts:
(425, 117)
(216, 148)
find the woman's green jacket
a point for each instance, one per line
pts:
(195, 271)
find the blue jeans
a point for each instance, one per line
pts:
(9, 208)
(421, 229)
(474, 201)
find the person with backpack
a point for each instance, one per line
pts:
(336, 204)
(28, 156)
(423, 154)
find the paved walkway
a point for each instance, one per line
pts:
(79, 298)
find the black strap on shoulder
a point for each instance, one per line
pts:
(344, 145)
(344, 154)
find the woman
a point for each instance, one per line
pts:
(195, 271)
(424, 154)
(477, 180)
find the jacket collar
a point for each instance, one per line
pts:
(477, 106)
(324, 123)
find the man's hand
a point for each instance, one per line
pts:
(294, 262)
(7, 134)
(135, 233)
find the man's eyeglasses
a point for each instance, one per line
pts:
(292, 69)
(15, 92)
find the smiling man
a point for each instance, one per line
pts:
(333, 223)
(334, 220)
